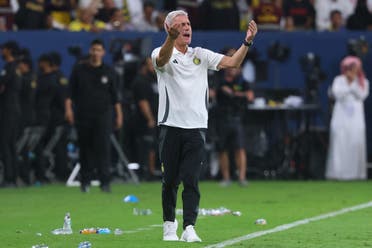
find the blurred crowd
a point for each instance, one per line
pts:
(148, 15)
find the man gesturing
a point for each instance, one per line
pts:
(183, 116)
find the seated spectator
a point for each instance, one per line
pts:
(106, 11)
(267, 15)
(7, 10)
(361, 19)
(86, 22)
(131, 9)
(192, 7)
(118, 23)
(324, 8)
(337, 22)
(299, 15)
(31, 15)
(219, 15)
(147, 21)
(60, 12)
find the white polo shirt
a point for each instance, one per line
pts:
(183, 87)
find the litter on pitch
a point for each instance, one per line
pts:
(213, 212)
(131, 198)
(85, 244)
(94, 230)
(260, 222)
(138, 211)
(40, 246)
(118, 231)
(66, 229)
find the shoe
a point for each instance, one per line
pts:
(243, 183)
(105, 188)
(170, 231)
(225, 183)
(84, 188)
(189, 235)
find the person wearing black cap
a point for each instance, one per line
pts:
(10, 84)
(93, 90)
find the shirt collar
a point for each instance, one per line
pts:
(175, 51)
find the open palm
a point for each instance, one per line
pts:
(251, 31)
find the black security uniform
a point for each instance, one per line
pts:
(28, 118)
(46, 114)
(230, 112)
(27, 99)
(145, 88)
(58, 124)
(10, 85)
(93, 91)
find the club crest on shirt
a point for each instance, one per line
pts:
(104, 79)
(196, 61)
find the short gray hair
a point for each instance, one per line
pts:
(173, 14)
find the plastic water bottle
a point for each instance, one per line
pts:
(66, 229)
(91, 230)
(85, 244)
(118, 231)
(67, 222)
(103, 230)
(40, 246)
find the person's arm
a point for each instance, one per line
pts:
(167, 48)
(69, 114)
(145, 108)
(359, 91)
(248, 94)
(238, 57)
(70, 95)
(340, 89)
(119, 116)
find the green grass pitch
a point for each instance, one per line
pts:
(28, 215)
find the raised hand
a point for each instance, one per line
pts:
(251, 31)
(173, 31)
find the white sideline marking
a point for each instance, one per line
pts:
(290, 225)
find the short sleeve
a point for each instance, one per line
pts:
(213, 59)
(154, 55)
(139, 91)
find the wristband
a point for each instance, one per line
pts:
(247, 44)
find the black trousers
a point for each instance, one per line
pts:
(94, 148)
(8, 136)
(182, 155)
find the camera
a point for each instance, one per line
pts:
(279, 52)
(358, 47)
(314, 75)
